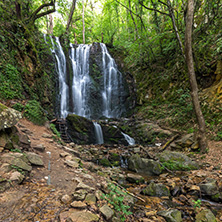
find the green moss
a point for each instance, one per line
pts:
(34, 112)
(105, 162)
(2, 107)
(216, 197)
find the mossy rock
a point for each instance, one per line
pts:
(157, 190)
(205, 215)
(105, 162)
(112, 135)
(177, 161)
(80, 129)
(146, 166)
(8, 117)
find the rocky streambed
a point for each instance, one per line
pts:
(43, 179)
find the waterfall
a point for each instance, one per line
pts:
(129, 139)
(95, 88)
(112, 79)
(63, 87)
(81, 80)
(98, 133)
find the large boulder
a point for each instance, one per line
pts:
(17, 161)
(211, 189)
(177, 161)
(144, 166)
(8, 117)
(112, 134)
(80, 129)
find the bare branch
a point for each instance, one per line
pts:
(132, 13)
(153, 9)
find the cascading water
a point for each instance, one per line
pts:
(89, 93)
(129, 139)
(112, 79)
(98, 133)
(63, 87)
(81, 79)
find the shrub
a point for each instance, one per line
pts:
(116, 198)
(34, 112)
(11, 83)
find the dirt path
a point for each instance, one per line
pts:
(34, 200)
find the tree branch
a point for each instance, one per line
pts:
(153, 9)
(132, 13)
(35, 14)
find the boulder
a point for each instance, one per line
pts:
(84, 186)
(17, 177)
(90, 199)
(157, 190)
(24, 141)
(80, 195)
(71, 163)
(145, 166)
(9, 138)
(112, 135)
(107, 212)
(8, 117)
(34, 159)
(66, 199)
(205, 215)
(177, 161)
(211, 189)
(134, 178)
(171, 215)
(17, 160)
(39, 147)
(78, 204)
(80, 129)
(78, 216)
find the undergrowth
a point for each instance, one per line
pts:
(116, 197)
(34, 112)
(11, 82)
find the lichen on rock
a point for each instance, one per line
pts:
(8, 117)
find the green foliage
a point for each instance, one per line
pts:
(116, 198)
(16, 150)
(219, 136)
(34, 112)
(17, 168)
(174, 165)
(18, 106)
(54, 130)
(11, 83)
(197, 203)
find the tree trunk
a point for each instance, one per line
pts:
(83, 23)
(192, 77)
(136, 30)
(71, 14)
(175, 26)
